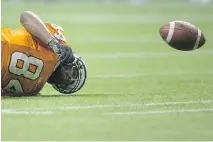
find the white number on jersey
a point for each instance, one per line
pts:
(21, 64)
(14, 86)
(27, 62)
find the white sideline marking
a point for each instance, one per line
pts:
(145, 54)
(159, 112)
(13, 111)
(131, 75)
(118, 105)
(171, 31)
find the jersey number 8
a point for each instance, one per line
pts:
(28, 66)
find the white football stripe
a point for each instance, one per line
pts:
(198, 38)
(171, 31)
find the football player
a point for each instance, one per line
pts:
(36, 54)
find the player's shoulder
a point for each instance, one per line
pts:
(57, 31)
(5, 31)
(7, 34)
(54, 26)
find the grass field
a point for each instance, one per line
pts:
(138, 88)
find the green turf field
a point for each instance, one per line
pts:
(138, 88)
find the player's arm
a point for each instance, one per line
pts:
(36, 27)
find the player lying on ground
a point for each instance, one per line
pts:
(36, 54)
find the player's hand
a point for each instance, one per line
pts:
(64, 52)
(66, 56)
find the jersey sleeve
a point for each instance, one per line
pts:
(57, 32)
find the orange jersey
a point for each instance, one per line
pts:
(26, 64)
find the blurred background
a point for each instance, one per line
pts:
(105, 26)
(128, 63)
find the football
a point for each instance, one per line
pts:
(182, 35)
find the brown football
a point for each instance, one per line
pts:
(182, 35)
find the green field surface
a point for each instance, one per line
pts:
(138, 87)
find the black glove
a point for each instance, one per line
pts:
(64, 52)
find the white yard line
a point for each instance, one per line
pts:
(118, 39)
(132, 75)
(123, 19)
(139, 54)
(116, 105)
(134, 105)
(160, 112)
(110, 76)
(13, 111)
(111, 15)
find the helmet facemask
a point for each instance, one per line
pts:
(70, 77)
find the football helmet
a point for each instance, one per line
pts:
(70, 77)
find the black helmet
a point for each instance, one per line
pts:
(69, 78)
